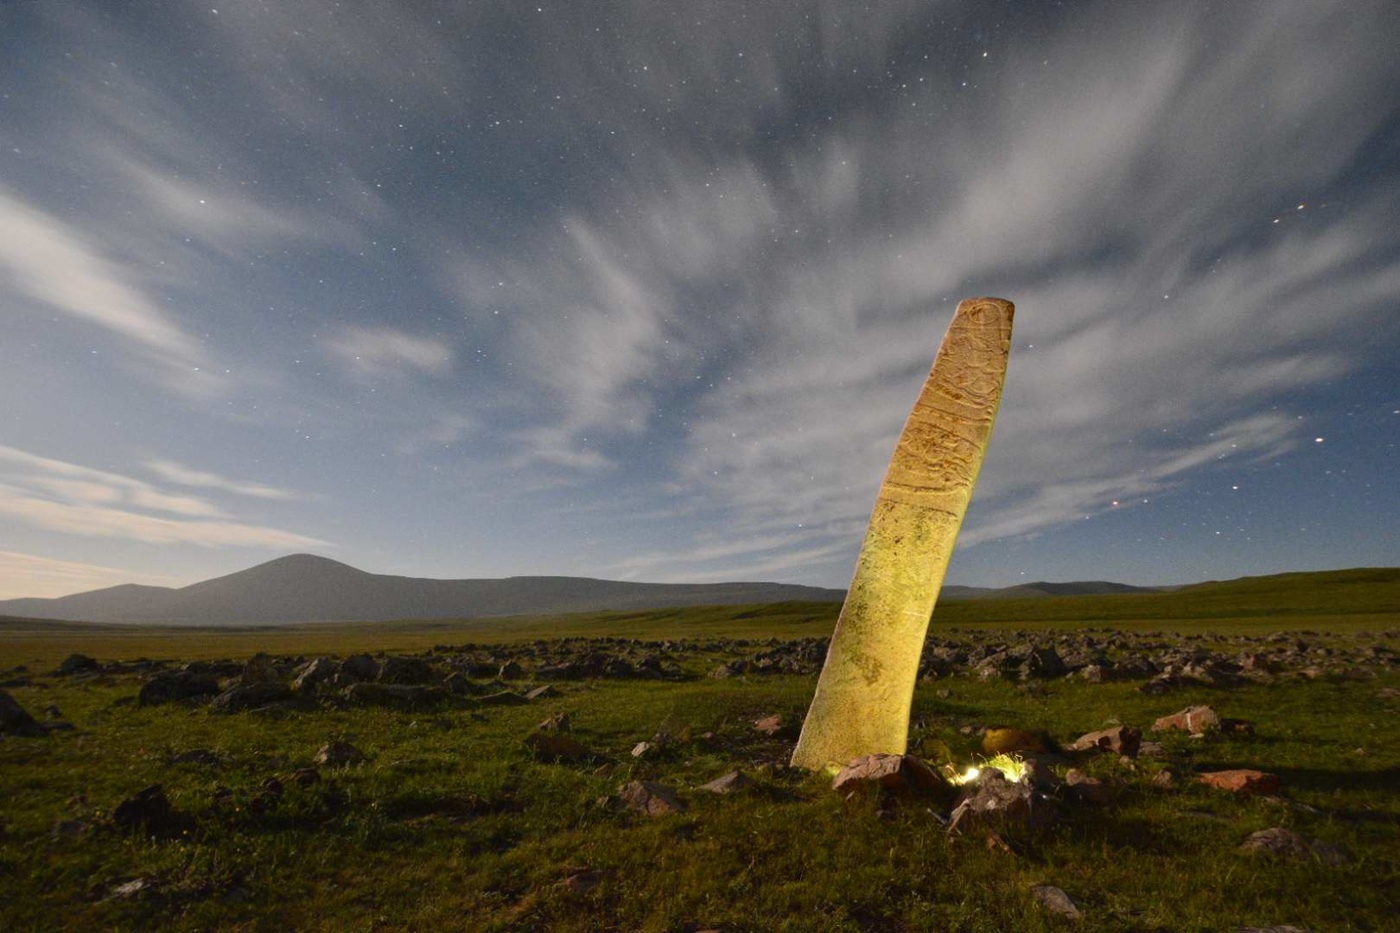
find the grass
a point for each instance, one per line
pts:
(451, 824)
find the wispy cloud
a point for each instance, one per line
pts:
(54, 495)
(187, 476)
(384, 351)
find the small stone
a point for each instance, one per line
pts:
(1056, 901)
(558, 722)
(650, 798)
(338, 754)
(1121, 740)
(1242, 781)
(542, 693)
(730, 783)
(770, 725)
(133, 889)
(1165, 779)
(645, 750)
(896, 773)
(1276, 842)
(1194, 720)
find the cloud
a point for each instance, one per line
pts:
(57, 496)
(185, 476)
(29, 575)
(384, 351)
(51, 266)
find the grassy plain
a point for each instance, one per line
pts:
(450, 823)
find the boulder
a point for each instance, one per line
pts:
(314, 673)
(650, 798)
(1196, 720)
(900, 774)
(77, 664)
(251, 696)
(358, 667)
(395, 696)
(405, 671)
(1242, 781)
(15, 721)
(259, 669)
(174, 686)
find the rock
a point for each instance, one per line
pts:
(77, 664)
(1242, 781)
(511, 670)
(1121, 740)
(555, 746)
(251, 696)
(558, 722)
(1276, 842)
(1085, 789)
(1009, 740)
(174, 686)
(1056, 901)
(1043, 663)
(646, 750)
(1164, 779)
(338, 754)
(405, 671)
(542, 693)
(772, 726)
(304, 777)
(503, 698)
(259, 669)
(650, 798)
(409, 697)
(730, 783)
(139, 887)
(993, 801)
(358, 667)
(1196, 720)
(314, 673)
(581, 881)
(15, 721)
(1162, 683)
(901, 774)
(147, 810)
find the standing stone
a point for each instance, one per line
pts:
(866, 687)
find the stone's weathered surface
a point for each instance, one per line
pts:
(650, 798)
(897, 773)
(730, 783)
(1242, 781)
(1056, 901)
(1197, 720)
(863, 696)
(338, 754)
(77, 664)
(14, 720)
(251, 696)
(406, 671)
(396, 696)
(1121, 740)
(174, 686)
(556, 746)
(314, 673)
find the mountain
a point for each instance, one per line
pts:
(307, 588)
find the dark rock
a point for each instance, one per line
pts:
(251, 696)
(15, 721)
(259, 669)
(396, 696)
(77, 664)
(504, 698)
(541, 693)
(511, 670)
(555, 746)
(995, 802)
(405, 671)
(148, 811)
(175, 686)
(1056, 901)
(1085, 789)
(650, 798)
(1276, 842)
(357, 668)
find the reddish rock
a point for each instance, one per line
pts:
(771, 725)
(1242, 781)
(897, 773)
(650, 798)
(1196, 720)
(1121, 740)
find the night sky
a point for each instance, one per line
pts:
(646, 290)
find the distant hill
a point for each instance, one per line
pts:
(307, 588)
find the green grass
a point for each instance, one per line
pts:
(450, 824)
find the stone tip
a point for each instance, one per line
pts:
(987, 303)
